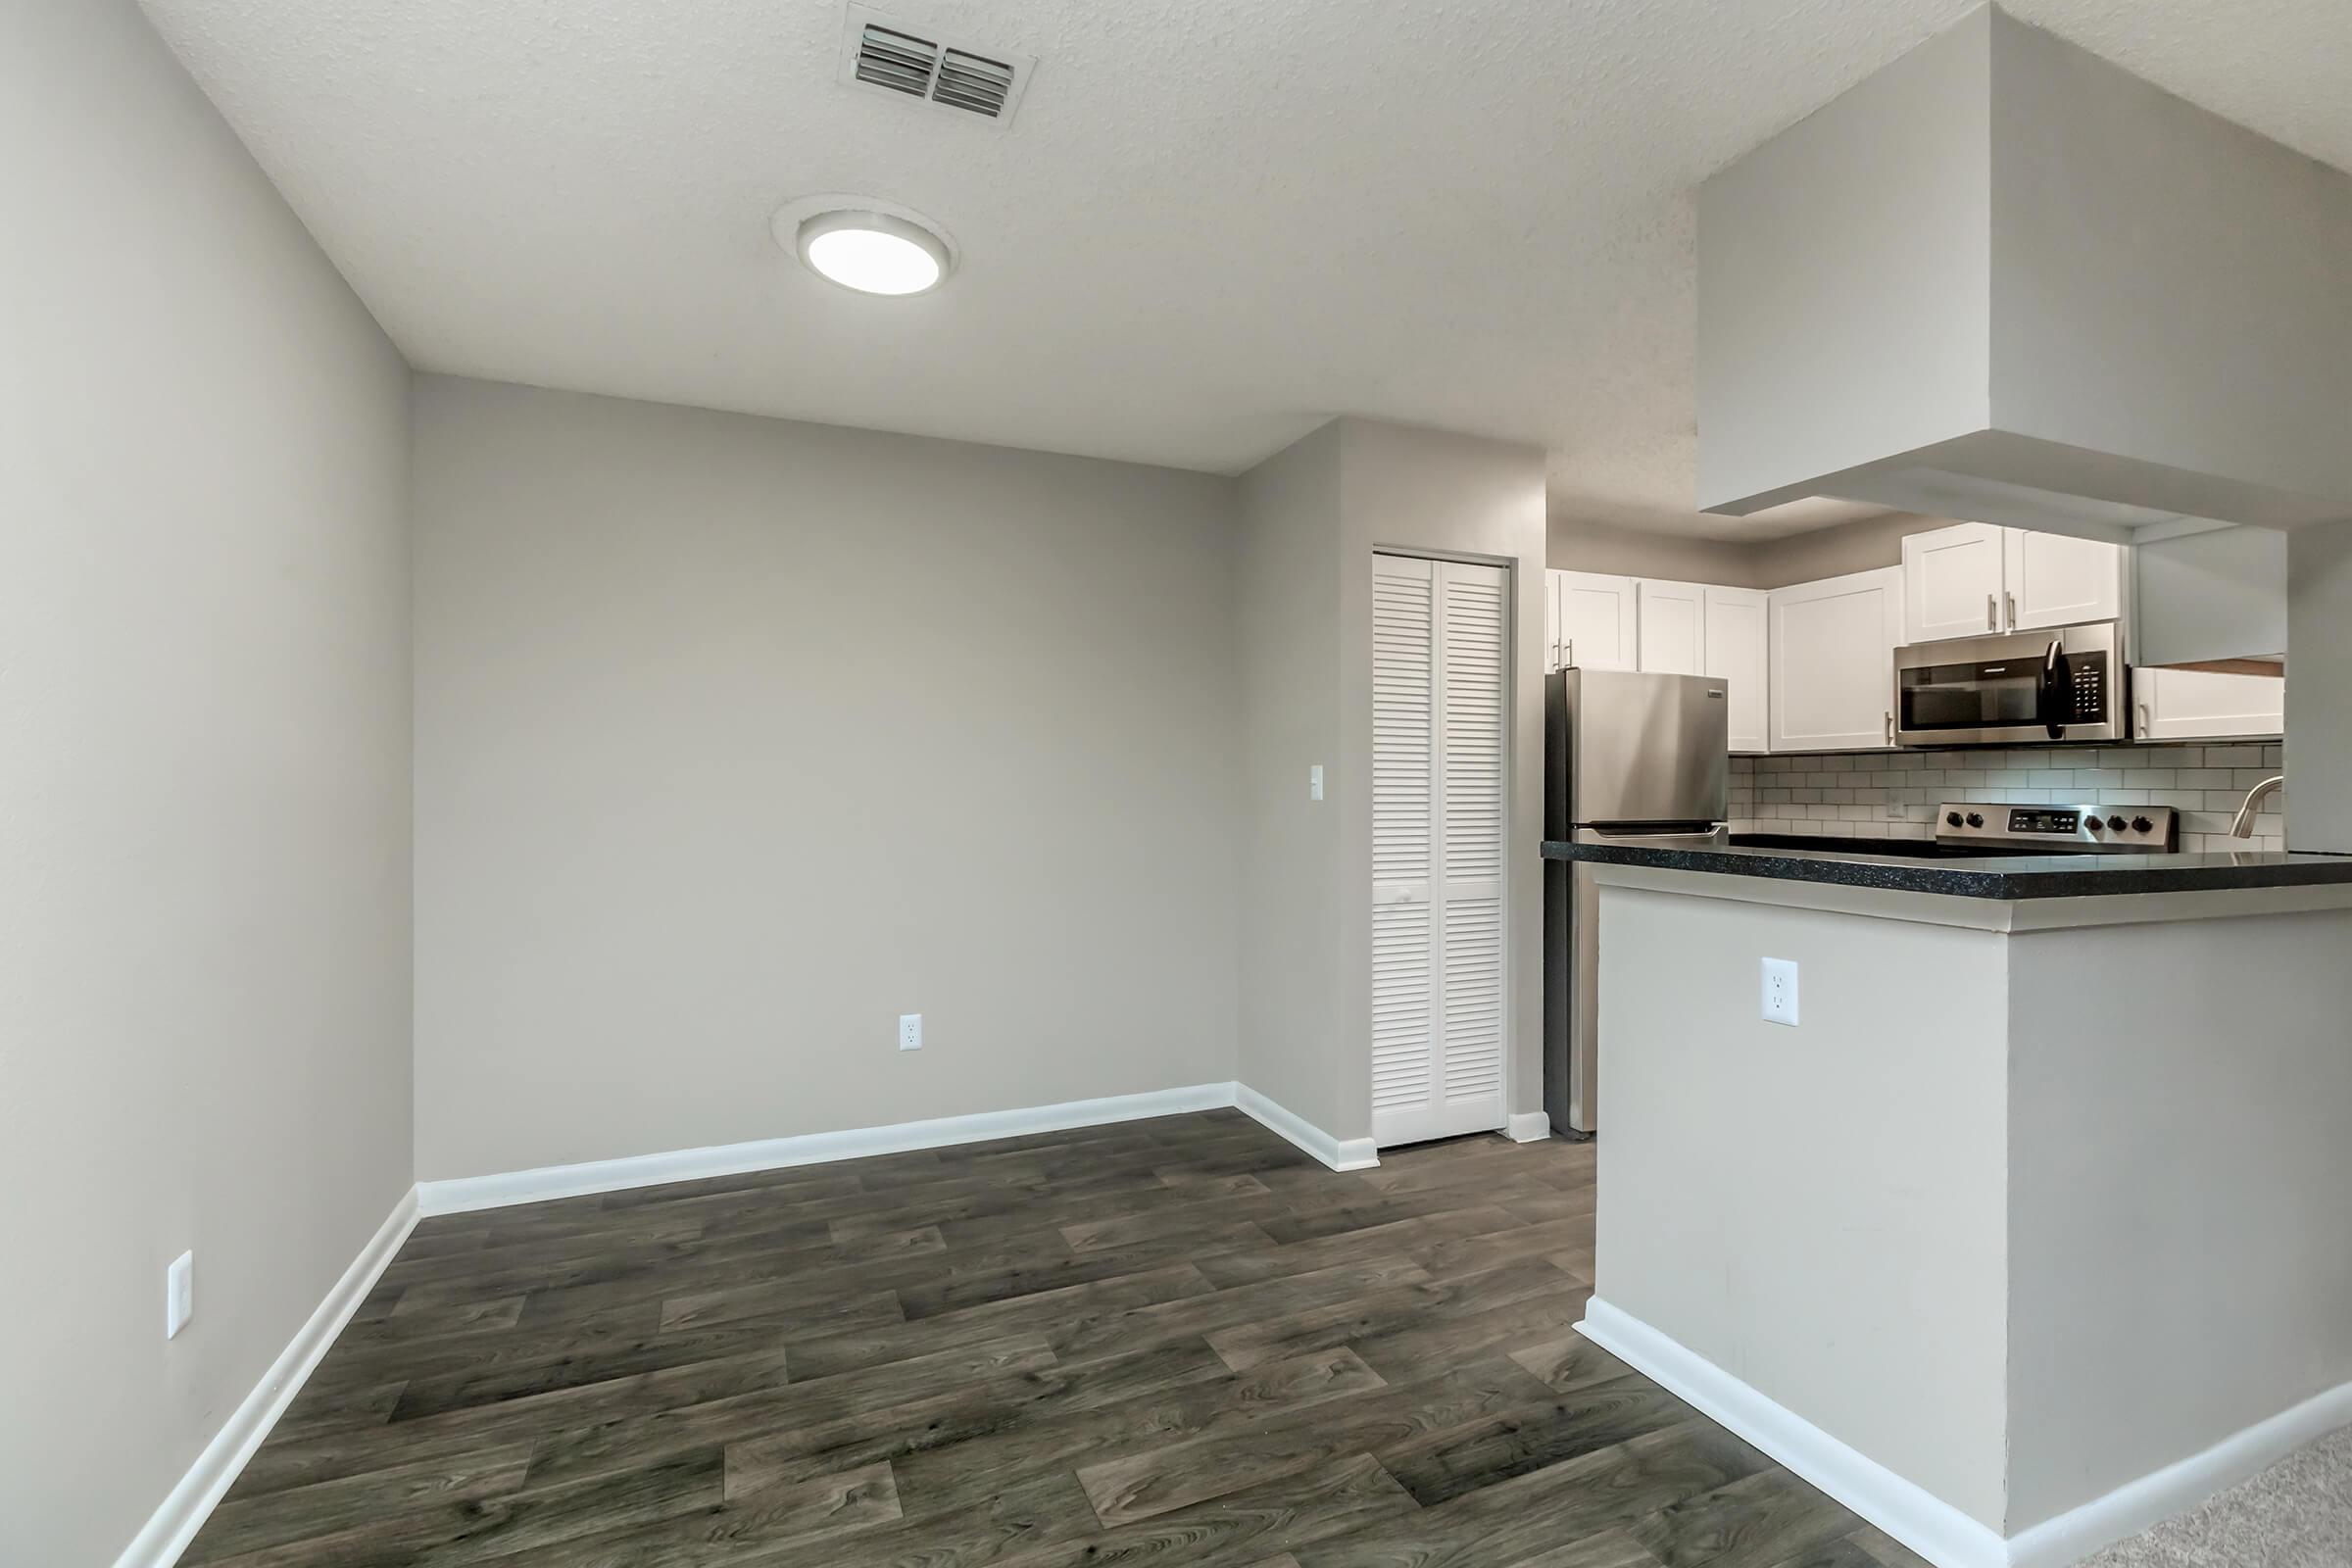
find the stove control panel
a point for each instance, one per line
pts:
(2059, 829)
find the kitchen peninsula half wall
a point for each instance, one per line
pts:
(2010, 1243)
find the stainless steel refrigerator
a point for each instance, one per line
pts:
(1624, 755)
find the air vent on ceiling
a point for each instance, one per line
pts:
(891, 56)
(893, 60)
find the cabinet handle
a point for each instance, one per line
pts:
(1992, 613)
(1890, 728)
(1568, 652)
(2141, 709)
(2011, 600)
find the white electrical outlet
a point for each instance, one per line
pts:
(179, 1295)
(1315, 782)
(1779, 1002)
(910, 1031)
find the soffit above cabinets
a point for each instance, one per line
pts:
(2005, 280)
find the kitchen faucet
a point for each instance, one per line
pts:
(2243, 827)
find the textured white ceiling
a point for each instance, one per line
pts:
(1214, 223)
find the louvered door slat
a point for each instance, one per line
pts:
(1441, 678)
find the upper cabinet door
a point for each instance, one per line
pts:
(2172, 704)
(2056, 580)
(1952, 582)
(1736, 639)
(1596, 621)
(1831, 655)
(1671, 627)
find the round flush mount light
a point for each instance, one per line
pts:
(872, 247)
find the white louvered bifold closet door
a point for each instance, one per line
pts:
(1440, 683)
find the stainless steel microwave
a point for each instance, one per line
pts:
(2066, 683)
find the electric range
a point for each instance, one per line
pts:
(1986, 829)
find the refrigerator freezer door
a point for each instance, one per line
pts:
(1647, 748)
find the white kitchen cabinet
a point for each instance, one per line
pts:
(1952, 582)
(1831, 648)
(1597, 620)
(2174, 705)
(1974, 579)
(1738, 638)
(1671, 627)
(2054, 579)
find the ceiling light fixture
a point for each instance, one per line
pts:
(872, 252)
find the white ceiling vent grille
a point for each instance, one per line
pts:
(894, 60)
(971, 80)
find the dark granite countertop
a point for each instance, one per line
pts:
(1884, 863)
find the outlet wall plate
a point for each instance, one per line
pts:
(1777, 1003)
(910, 1031)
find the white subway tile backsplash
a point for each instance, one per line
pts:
(1894, 794)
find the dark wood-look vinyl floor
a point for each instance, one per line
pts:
(1161, 1341)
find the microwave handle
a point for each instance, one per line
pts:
(2046, 698)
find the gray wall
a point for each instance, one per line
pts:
(2219, 595)
(2206, 1099)
(738, 738)
(1821, 1212)
(1578, 545)
(1845, 278)
(1312, 517)
(1860, 546)
(1293, 1046)
(204, 850)
(2319, 687)
(2167, 286)
(2082, 284)
(1430, 491)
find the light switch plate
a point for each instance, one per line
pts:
(1778, 1004)
(1315, 782)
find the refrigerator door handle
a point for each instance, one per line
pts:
(1602, 834)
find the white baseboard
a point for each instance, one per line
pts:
(1925, 1523)
(1928, 1525)
(1340, 1153)
(1528, 1127)
(463, 1194)
(171, 1527)
(2179, 1487)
